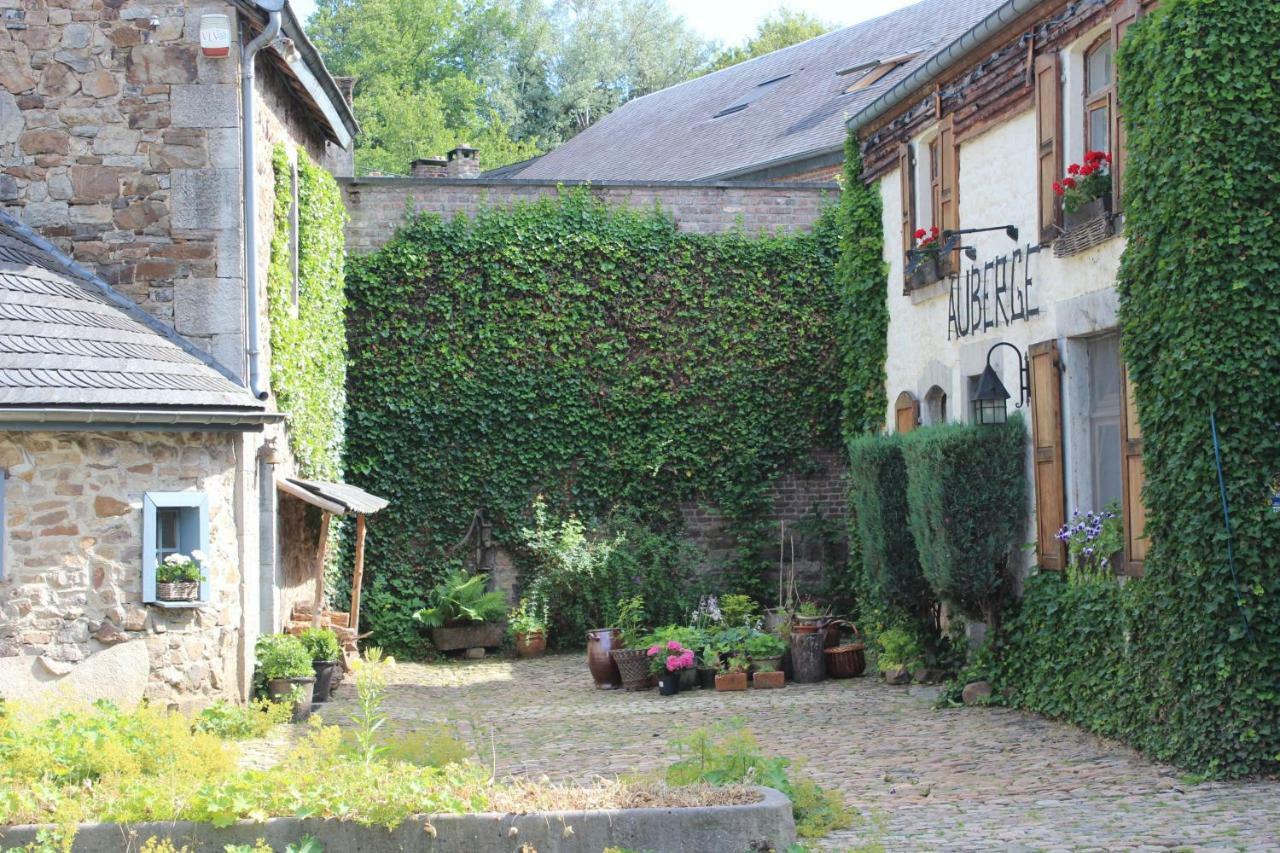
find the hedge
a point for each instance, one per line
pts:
(597, 356)
(967, 498)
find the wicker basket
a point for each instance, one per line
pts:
(177, 590)
(633, 664)
(846, 660)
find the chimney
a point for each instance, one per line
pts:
(464, 162)
(346, 86)
(430, 167)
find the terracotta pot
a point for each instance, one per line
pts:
(604, 672)
(178, 591)
(804, 628)
(726, 681)
(768, 680)
(532, 644)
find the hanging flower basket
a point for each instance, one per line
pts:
(178, 590)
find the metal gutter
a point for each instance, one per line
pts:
(943, 61)
(67, 418)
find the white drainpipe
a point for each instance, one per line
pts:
(248, 175)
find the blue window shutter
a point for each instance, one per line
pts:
(193, 535)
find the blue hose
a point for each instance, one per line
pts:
(1226, 518)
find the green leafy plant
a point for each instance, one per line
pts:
(527, 617)
(630, 621)
(1092, 539)
(461, 599)
(738, 610)
(727, 754)
(321, 643)
(736, 663)
(598, 356)
(282, 656)
(180, 568)
(762, 645)
(238, 722)
(967, 496)
(898, 649)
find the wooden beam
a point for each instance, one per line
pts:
(320, 553)
(357, 576)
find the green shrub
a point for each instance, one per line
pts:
(238, 722)
(598, 356)
(461, 599)
(282, 656)
(890, 562)
(898, 648)
(321, 643)
(967, 494)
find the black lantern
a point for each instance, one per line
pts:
(991, 398)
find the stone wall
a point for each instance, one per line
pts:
(800, 498)
(377, 205)
(72, 582)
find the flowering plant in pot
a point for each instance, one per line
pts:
(1085, 182)
(924, 257)
(528, 625)
(1092, 539)
(669, 662)
(285, 664)
(734, 675)
(178, 577)
(322, 646)
(809, 617)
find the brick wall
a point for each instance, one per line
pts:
(377, 205)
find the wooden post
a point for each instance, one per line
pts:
(320, 552)
(357, 576)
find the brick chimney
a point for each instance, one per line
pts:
(464, 162)
(346, 85)
(429, 167)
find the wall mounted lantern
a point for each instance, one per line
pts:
(990, 400)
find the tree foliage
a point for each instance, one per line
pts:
(596, 356)
(782, 28)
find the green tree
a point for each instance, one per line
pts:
(783, 28)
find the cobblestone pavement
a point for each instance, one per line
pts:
(923, 779)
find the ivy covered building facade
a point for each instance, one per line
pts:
(154, 392)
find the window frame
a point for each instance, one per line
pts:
(152, 502)
(1102, 98)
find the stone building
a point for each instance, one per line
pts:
(979, 145)
(136, 415)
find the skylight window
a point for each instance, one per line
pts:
(868, 74)
(756, 93)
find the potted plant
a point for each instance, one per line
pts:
(734, 675)
(462, 615)
(765, 651)
(768, 676)
(1086, 189)
(178, 577)
(285, 665)
(924, 265)
(809, 617)
(632, 659)
(708, 665)
(669, 662)
(528, 625)
(323, 648)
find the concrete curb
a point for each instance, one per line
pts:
(766, 825)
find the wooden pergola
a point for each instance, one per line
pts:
(336, 499)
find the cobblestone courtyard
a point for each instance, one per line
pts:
(962, 779)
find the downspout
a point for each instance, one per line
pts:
(247, 175)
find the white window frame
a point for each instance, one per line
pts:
(151, 502)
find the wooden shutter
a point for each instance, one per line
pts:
(1135, 511)
(1049, 141)
(906, 412)
(1126, 13)
(907, 182)
(1046, 439)
(948, 178)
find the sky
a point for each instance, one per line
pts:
(733, 21)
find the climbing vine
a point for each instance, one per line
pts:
(1185, 661)
(594, 355)
(308, 344)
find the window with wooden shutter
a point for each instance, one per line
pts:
(906, 412)
(1135, 511)
(906, 171)
(1046, 441)
(948, 179)
(1049, 142)
(1126, 13)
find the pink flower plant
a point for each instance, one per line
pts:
(679, 658)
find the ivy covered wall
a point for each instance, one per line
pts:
(308, 340)
(1185, 662)
(594, 355)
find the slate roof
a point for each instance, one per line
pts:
(674, 134)
(67, 339)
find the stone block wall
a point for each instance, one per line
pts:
(377, 205)
(72, 581)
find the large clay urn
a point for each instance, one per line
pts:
(600, 642)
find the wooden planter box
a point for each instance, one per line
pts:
(479, 636)
(731, 681)
(769, 680)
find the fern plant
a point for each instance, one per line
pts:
(461, 598)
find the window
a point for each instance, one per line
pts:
(1105, 457)
(755, 94)
(172, 523)
(867, 75)
(1098, 73)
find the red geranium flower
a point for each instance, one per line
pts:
(1057, 187)
(1073, 169)
(1069, 183)
(1086, 170)
(919, 235)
